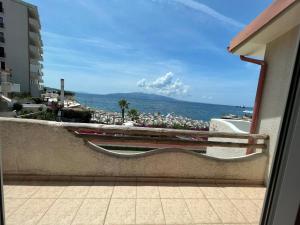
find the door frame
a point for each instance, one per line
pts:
(281, 204)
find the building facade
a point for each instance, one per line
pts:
(21, 45)
(273, 36)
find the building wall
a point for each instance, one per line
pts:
(280, 56)
(16, 42)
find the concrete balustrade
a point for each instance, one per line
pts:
(44, 148)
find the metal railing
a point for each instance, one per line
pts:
(131, 136)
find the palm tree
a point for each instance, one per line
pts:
(133, 114)
(123, 105)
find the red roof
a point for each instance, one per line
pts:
(273, 11)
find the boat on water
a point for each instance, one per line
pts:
(229, 116)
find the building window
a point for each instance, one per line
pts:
(2, 65)
(2, 37)
(1, 7)
(1, 22)
(2, 54)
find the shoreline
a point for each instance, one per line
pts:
(170, 120)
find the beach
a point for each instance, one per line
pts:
(155, 110)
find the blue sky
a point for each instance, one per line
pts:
(169, 47)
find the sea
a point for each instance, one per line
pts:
(149, 103)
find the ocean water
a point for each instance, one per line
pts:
(164, 105)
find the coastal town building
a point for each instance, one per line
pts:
(21, 45)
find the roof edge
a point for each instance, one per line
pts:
(260, 22)
(26, 4)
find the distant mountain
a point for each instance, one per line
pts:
(140, 96)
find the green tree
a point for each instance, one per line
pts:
(123, 106)
(133, 114)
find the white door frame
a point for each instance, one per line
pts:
(281, 205)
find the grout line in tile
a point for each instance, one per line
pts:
(238, 209)
(27, 199)
(76, 212)
(161, 205)
(104, 220)
(213, 208)
(187, 206)
(135, 202)
(46, 212)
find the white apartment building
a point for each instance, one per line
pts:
(21, 45)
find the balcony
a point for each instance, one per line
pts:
(34, 25)
(35, 39)
(71, 172)
(33, 13)
(36, 76)
(35, 67)
(35, 52)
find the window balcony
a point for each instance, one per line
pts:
(33, 13)
(34, 25)
(35, 53)
(35, 75)
(35, 39)
(35, 68)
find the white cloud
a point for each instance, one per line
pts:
(165, 85)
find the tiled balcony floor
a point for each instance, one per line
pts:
(78, 203)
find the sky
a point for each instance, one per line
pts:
(175, 48)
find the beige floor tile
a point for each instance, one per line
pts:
(213, 192)
(124, 190)
(149, 211)
(201, 211)
(254, 192)
(121, 211)
(6, 192)
(6, 189)
(12, 204)
(22, 191)
(170, 191)
(30, 212)
(76, 190)
(226, 211)
(51, 191)
(92, 212)
(101, 190)
(259, 203)
(233, 192)
(249, 209)
(191, 191)
(147, 190)
(176, 211)
(61, 212)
